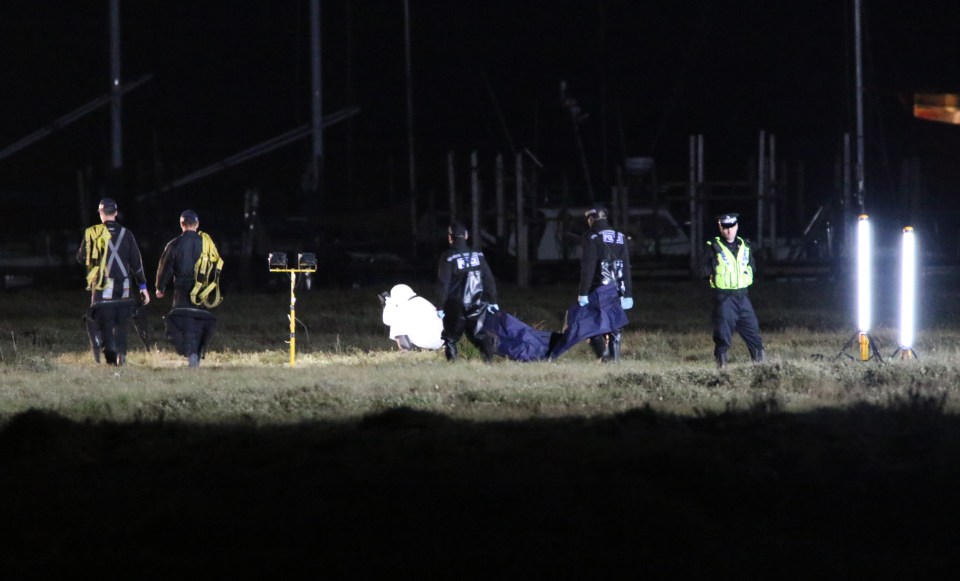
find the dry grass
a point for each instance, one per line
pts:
(363, 462)
(346, 368)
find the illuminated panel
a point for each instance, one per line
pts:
(941, 107)
(863, 274)
(908, 288)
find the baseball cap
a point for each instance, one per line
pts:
(108, 205)
(189, 217)
(457, 230)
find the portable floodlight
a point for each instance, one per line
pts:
(306, 262)
(277, 260)
(866, 345)
(864, 282)
(908, 294)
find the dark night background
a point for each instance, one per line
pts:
(227, 76)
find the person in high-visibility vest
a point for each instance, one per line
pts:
(729, 267)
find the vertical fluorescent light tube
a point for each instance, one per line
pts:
(908, 288)
(864, 283)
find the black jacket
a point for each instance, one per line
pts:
(125, 271)
(177, 262)
(604, 259)
(464, 279)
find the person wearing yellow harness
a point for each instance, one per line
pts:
(112, 259)
(193, 263)
(728, 265)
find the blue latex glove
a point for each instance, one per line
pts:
(626, 303)
(493, 308)
(583, 300)
(440, 314)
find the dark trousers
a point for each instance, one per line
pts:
(457, 321)
(732, 311)
(111, 319)
(190, 330)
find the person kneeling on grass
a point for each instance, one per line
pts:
(191, 260)
(412, 319)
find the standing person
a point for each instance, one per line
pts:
(112, 258)
(605, 280)
(192, 262)
(728, 265)
(467, 294)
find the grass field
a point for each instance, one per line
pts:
(366, 461)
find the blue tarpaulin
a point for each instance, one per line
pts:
(518, 340)
(602, 315)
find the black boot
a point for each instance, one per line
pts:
(600, 347)
(450, 350)
(614, 345)
(756, 356)
(121, 359)
(489, 348)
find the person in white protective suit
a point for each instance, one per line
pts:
(412, 319)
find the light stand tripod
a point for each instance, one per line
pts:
(867, 348)
(305, 263)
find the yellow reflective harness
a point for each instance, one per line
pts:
(96, 240)
(206, 273)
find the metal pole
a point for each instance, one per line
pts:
(761, 185)
(692, 192)
(116, 133)
(624, 200)
(845, 218)
(452, 186)
(523, 259)
(410, 140)
(501, 214)
(293, 320)
(475, 200)
(316, 95)
(860, 177)
(773, 196)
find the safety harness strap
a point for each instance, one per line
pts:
(206, 273)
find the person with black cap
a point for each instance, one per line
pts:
(190, 325)
(467, 295)
(728, 265)
(605, 276)
(112, 258)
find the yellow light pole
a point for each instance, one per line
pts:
(305, 263)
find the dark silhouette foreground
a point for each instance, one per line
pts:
(867, 493)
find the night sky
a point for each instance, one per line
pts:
(227, 76)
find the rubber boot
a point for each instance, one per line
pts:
(756, 356)
(600, 347)
(110, 357)
(489, 348)
(193, 360)
(722, 360)
(614, 344)
(450, 350)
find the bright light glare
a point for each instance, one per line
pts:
(863, 274)
(908, 287)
